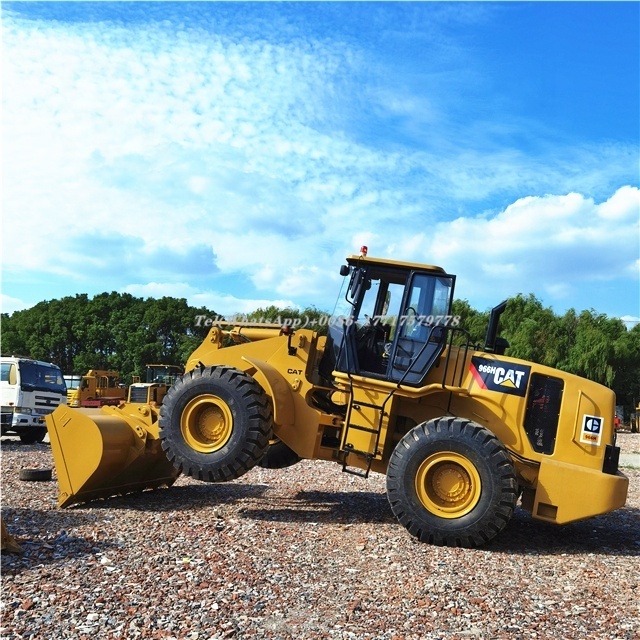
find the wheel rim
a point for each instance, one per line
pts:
(448, 484)
(206, 423)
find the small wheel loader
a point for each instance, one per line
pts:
(395, 387)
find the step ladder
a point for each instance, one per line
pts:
(362, 440)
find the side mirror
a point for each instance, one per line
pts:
(344, 270)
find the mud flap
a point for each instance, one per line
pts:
(113, 452)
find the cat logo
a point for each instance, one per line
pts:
(591, 431)
(496, 375)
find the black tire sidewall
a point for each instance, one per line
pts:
(435, 443)
(35, 475)
(215, 381)
(492, 463)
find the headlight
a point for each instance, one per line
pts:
(26, 410)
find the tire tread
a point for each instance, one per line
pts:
(256, 428)
(471, 530)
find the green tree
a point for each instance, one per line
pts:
(626, 382)
(473, 321)
(593, 354)
(110, 331)
(307, 318)
(531, 330)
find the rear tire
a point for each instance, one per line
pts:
(451, 482)
(33, 435)
(215, 423)
(279, 456)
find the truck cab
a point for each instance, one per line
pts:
(30, 390)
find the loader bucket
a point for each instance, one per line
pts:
(8, 542)
(113, 452)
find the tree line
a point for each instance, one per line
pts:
(118, 331)
(588, 344)
(111, 331)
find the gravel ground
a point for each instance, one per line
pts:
(306, 552)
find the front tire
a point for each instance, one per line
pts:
(451, 482)
(215, 423)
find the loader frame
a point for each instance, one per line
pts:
(395, 387)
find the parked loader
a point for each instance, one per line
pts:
(395, 387)
(159, 377)
(97, 388)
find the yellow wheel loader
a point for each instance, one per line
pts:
(395, 387)
(97, 388)
(159, 378)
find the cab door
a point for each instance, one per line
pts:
(421, 333)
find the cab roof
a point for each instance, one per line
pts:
(358, 260)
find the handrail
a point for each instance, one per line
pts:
(417, 391)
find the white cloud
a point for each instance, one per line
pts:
(622, 207)
(630, 321)
(247, 147)
(131, 96)
(633, 269)
(557, 290)
(550, 243)
(220, 303)
(227, 305)
(198, 184)
(9, 304)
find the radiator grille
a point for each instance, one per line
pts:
(543, 412)
(138, 394)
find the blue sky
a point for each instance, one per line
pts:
(234, 153)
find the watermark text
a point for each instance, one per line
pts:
(304, 322)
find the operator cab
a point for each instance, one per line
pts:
(163, 373)
(391, 324)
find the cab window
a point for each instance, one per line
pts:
(8, 373)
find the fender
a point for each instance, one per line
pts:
(278, 388)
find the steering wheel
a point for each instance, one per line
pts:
(410, 327)
(367, 326)
(370, 332)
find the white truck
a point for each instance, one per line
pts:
(29, 390)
